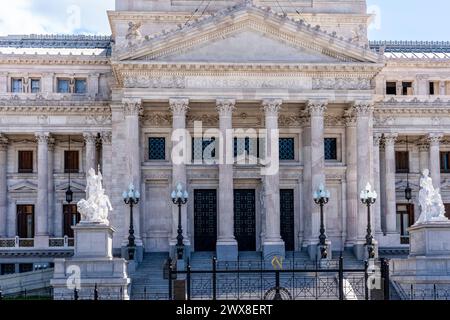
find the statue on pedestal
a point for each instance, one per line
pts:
(431, 206)
(96, 208)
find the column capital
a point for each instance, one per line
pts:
(271, 107)
(424, 147)
(4, 141)
(390, 139)
(349, 117)
(434, 139)
(363, 108)
(132, 106)
(90, 137)
(51, 144)
(106, 137)
(316, 107)
(225, 107)
(179, 106)
(377, 139)
(42, 137)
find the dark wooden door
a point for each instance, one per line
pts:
(205, 220)
(71, 218)
(287, 218)
(244, 219)
(25, 221)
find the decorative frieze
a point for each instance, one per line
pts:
(157, 119)
(205, 119)
(341, 84)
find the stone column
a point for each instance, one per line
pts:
(132, 110)
(377, 184)
(106, 167)
(435, 158)
(227, 247)
(272, 243)
(179, 108)
(51, 187)
(391, 201)
(41, 213)
(3, 186)
(351, 177)
(363, 112)
(90, 140)
(442, 88)
(316, 111)
(424, 156)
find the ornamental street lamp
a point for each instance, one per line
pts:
(369, 197)
(131, 198)
(408, 190)
(69, 192)
(179, 197)
(321, 197)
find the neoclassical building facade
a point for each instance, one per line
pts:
(346, 112)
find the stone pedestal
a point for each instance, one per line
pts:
(91, 266)
(429, 261)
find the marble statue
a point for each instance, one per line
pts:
(431, 206)
(97, 206)
(133, 34)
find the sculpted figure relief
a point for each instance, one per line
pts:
(431, 206)
(97, 206)
(133, 34)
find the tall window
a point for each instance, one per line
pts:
(25, 221)
(17, 86)
(405, 219)
(25, 162)
(35, 85)
(402, 161)
(391, 88)
(407, 89)
(71, 218)
(287, 149)
(80, 86)
(445, 162)
(157, 148)
(432, 88)
(63, 86)
(330, 146)
(203, 149)
(71, 161)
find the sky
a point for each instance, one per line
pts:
(394, 19)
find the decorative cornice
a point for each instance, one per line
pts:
(132, 106)
(225, 107)
(271, 107)
(179, 106)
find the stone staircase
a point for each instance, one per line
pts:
(148, 282)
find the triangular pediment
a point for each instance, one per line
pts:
(23, 186)
(246, 33)
(74, 186)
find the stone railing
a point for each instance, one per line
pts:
(17, 242)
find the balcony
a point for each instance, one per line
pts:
(28, 243)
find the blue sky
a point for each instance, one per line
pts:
(395, 19)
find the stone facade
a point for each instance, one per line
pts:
(248, 67)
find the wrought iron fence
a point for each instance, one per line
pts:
(424, 292)
(328, 280)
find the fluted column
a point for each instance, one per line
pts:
(179, 108)
(316, 111)
(376, 181)
(51, 187)
(391, 201)
(363, 111)
(3, 186)
(90, 140)
(132, 110)
(424, 156)
(352, 179)
(434, 140)
(227, 248)
(41, 225)
(106, 138)
(272, 243)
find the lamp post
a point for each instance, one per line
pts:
(179, 197)
(321, 197)
(408, 190)
(131, 198)
(369, 197)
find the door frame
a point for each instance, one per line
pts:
(216, 224)
(255, 214)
